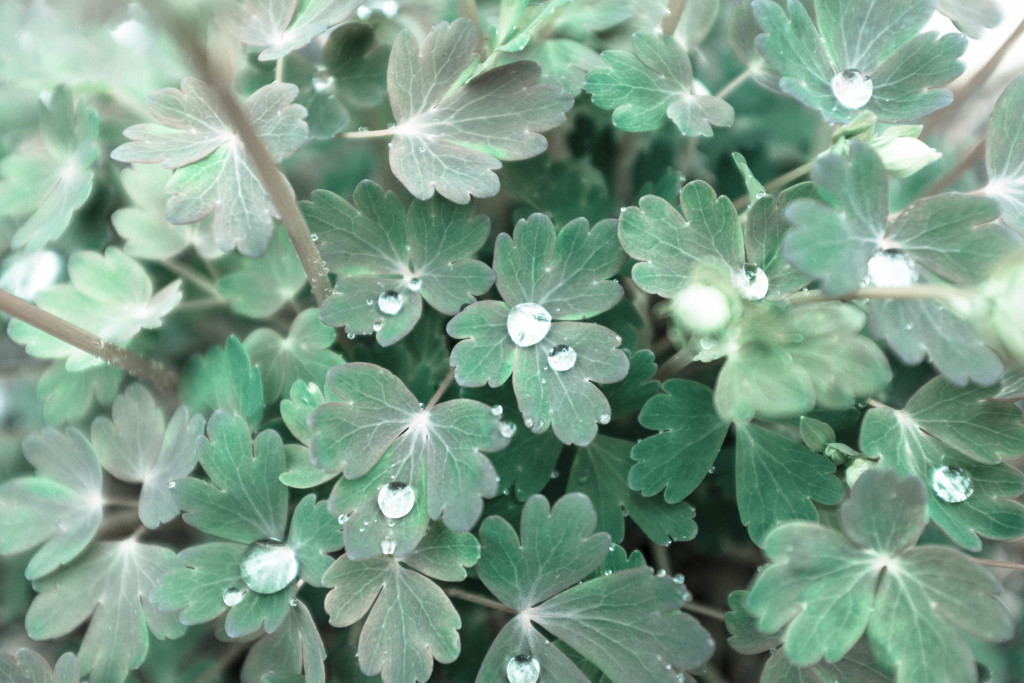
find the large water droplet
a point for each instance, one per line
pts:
(523, 669)
(952, 484)
(268, 566)
(232, 596)
(528, 324)
(891, 269)
(389, 302)
(852, 88)
(562, 358)
(751, 282)
(395, 499)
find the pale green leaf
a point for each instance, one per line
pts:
(305, 355)
(287, 25)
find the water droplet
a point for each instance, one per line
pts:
(711, 470)
(268, 566)
(562, 358)
(852, 88)
(351, 335)
(369, 302)
(422, 150)
(607, 572)
(171, 484)
(604, 418)
(528, 324)
(395, 499)
(528, 422)
(506, 429)
(414, 284)
(387, 546)
(378, 325)
(389, 302)
(294, 602)
(952, 484)
(342, 518)
(315, 237)
(891, 269)
(523, 669)
(751, 282)
(232, 596)
(322, 81)
(555, 474)
(497, 411)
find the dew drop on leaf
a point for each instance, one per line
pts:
(528, 324)
(415, 284)
(395, 499)
(751, 282)
(891, 269)
(523, 669)
(389, 302)
(562, 358)
(342, 518)
(268, 566)
(315, 237)
(322, 82)
(852, 88)
(506, 429)
(232, 596)
(604, 418)
(387, 546)
(294, 602)
(952, 484)
(497, 410)
(378, 325)
(171, 484)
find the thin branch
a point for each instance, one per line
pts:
(121, 502)
(364, 134)
(952, 175)
(671, 367)
(704, 610)
(192, 276)
(673, 13)
(783, 180)
(937, 292)
(160, 377)
(877, 404)
(274, 182)
(460, 594)
(1002, 564)
(659, 553)
(443, 387)
(729, 87)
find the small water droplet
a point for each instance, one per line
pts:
(528, 324)
(506, 429)
(751, 282)
(322, 81)
(497, 411)
(171, 484)
(414, 284)
(387, 546)
(607, 572)
(369, 302)
(389, 302)
(268, 566)
(422, 150)
(342, 519)
(315, 237)
(555, 474)
(562, 358)
(351, 335)
(852, 88)
(711, 470)
(891, 269)
(232, 596)
(294, 602)
(604, 418)
(378, 325)
(952, 484)
(395, 499)
(523, 669)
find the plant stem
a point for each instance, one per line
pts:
(363, 134)
(274, 182)
(704, 610)
(460, 594)
(192, 276)
(160, 377)
(443, 387)
(783, 180)
(659, 554)
(229, 655)
(675, 363)
(938, 292)
(673, 14)
(999, 563)
(952, 175)
(729, 87)
(121, 502)
(877, 404)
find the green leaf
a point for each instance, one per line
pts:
(376, 433)
(409, 620)
(563, 189)
(214, 174)
(627, 623)
(601, 470)
(303, 356)
(857, 666)
(763, 234)
(261, 286)
(877, 39)
(563, 273)
(70, 396)
(287, 25)
(815, 434)
(377, 248)
(109, 586)
(110, 295)
(744, 636)
(1004, 155)
(314, 533)
(690, 435)
(668, 245)
(48, 182)
(294, 647)
(631, 393)
(243, 500)
(223, 379)
(139, 446)
(60, 508)
(830, 585)
(654, 81)
(451, 137)
(972, 17)
(978, 434)
(357, 64)
(776, 480)
(28, 666)
(564, 62)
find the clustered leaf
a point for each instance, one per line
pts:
(303, 356)
(287, 25)
(1004, 156)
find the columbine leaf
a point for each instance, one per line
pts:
(70, 396)
(376, 433)
(110, 295)
(600, 471)
(763, 234)
(261, 286)
(563, 273)
(972, 17)
(109, 587)
(631, 393)
(1004, 155)
(410, 620)
(878, 40)
(48, 179)
(304, 355)
(978, 434)
(451, 137)
(830, 585)
(60, 507)
(287, 25)
(627, 623)
(690, 435)
(223, 379)
(389, 261)
(214, 174)
(294, 647)
(653, 81)
(776, 480)
(28, 666)
(139, 446)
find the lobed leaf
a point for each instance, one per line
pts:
(1004, 155)
(223, 379)
(287, 25)
(303, 356)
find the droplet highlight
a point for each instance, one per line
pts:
(528, 324)
(232, 596)
(852, 88)
(952, 484)
(268, 566)
(389, 302)
(322, 81)
(891, 269)
(562, 358)
(523, 669)
(751, 282)
(395, 499)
